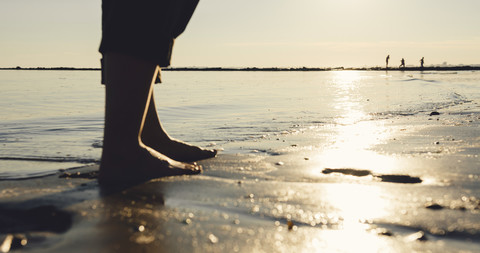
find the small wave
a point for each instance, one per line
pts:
(390, 114)
(407, 230)
(419, 79)
(459, 98)
(452, 99)
(31, 174)
(52, 159)
(466, 113)
(440, 73)
(234, 127)
(24, 176)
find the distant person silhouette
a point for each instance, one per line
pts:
(421, 62)
(386, 61)
(137, 39)
(402, 63)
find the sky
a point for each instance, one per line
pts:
(258, 33)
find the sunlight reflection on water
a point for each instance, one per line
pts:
(352, 138)
(354, 132)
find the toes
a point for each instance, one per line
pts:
(194, 168)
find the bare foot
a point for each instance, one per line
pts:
(154, 136)
(141, 165)
(178, 150)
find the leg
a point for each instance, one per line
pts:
(128, 87)
(154, 136)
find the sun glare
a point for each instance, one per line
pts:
(353, 137)
(354, 134)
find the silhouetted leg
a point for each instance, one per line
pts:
(129, 83)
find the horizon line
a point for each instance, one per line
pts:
(377, 68)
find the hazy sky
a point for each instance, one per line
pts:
(262, 33)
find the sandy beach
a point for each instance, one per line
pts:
(283, 196)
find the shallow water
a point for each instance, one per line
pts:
(54, 119)
(344, 161)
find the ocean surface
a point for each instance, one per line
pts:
(51, 120)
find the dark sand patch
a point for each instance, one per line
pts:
(46, 218)
(352, 172)
(403, 179)
(434, 206)
(85, 175)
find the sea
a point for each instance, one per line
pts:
(52, 120)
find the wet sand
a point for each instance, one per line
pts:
(299, 191)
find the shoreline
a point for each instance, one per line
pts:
(282, 196)
(274, 69)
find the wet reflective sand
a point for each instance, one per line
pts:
(397, 181)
